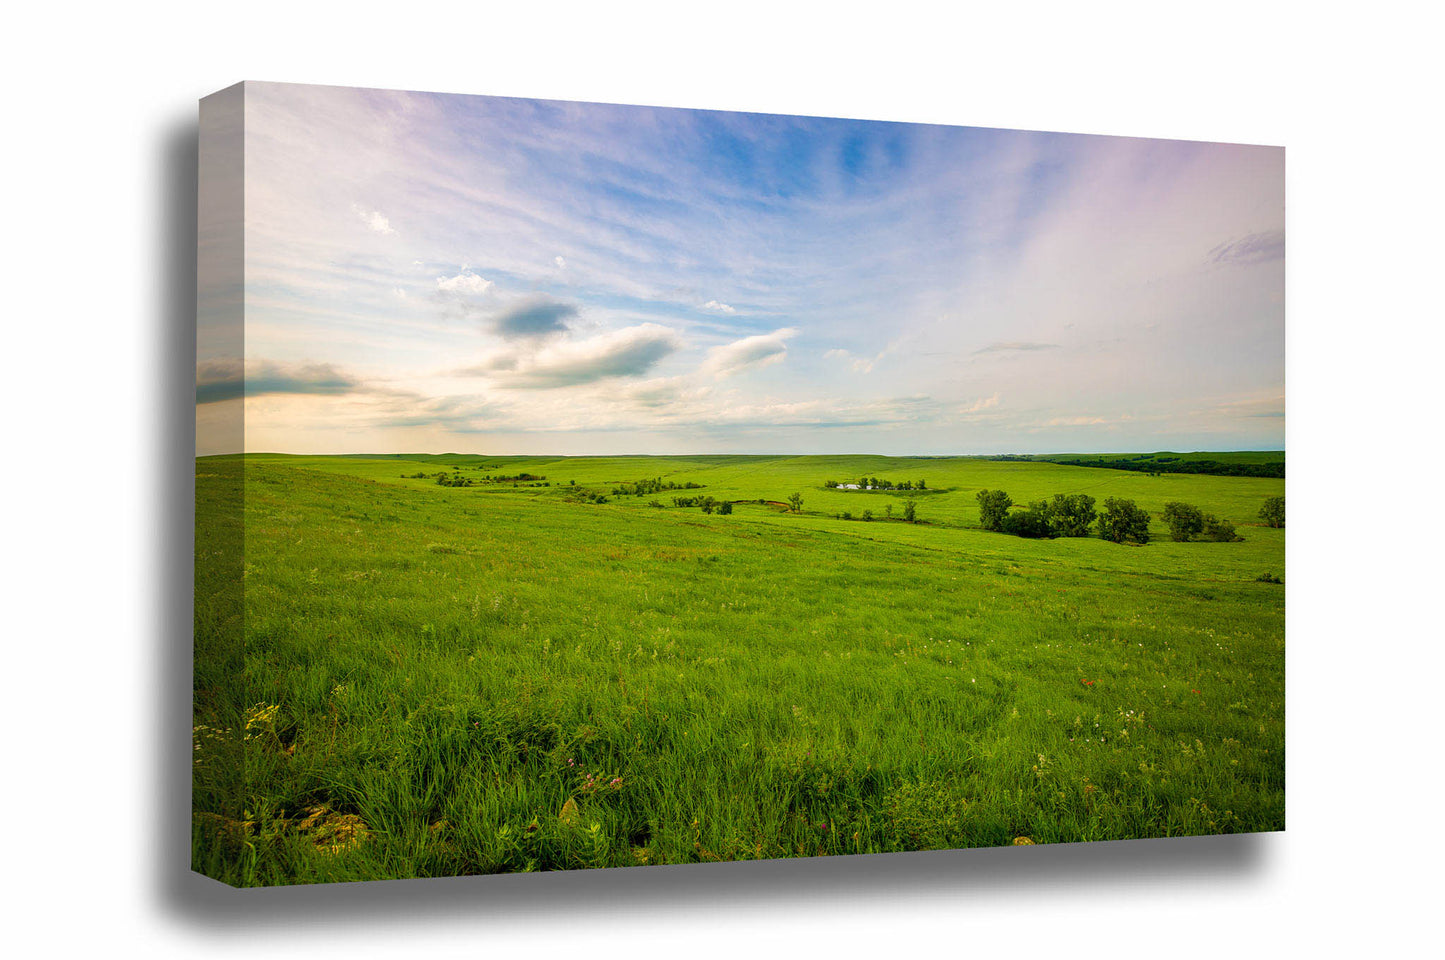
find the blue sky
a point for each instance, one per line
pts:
(436, 273)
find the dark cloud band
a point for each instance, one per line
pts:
(534, 318)
(219, 380)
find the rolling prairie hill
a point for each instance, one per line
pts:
(456, 664)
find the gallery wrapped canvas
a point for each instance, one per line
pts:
(590, 486)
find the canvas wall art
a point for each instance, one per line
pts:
(589, 486)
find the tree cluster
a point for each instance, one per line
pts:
(1123, 522)
(1272, 513)
(1069, 515)
(455, 480)
(1066, 515)
(443, 479)
(992, 508)
(1186, 521)
(651, 486)
(1030, 523)
(879, 483)
(706, 504)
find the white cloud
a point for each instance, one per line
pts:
(464, 282)
(373, 219)
(748, 353)
(559, 261)
(859, 364)
(628, 352)
(718, 307)
(1075, 422)
(981, 404)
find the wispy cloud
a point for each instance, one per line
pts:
(979, 405)
(1073, 422)
(1008, 346)
(534, 240)
(1252, 407)
(748, 353)
(1254, 248)
(458, 414)
(860, 364)
(668, 392)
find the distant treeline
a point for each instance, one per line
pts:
(1150, 463)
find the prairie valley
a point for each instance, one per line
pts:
(465, 664)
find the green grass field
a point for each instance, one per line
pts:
(396, 678)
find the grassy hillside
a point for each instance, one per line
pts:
(446, 680)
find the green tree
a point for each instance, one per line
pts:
(992, 508)
(1070, 515)
(1123, 522)
(1220, 531)
(795, 503)
(1032, 523)
(1272, 513)
(725, 508)
(909, 513)
(1184, 520)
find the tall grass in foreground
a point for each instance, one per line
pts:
(456, 681)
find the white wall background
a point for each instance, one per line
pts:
(99, 107)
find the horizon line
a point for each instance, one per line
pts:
(613, 456)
